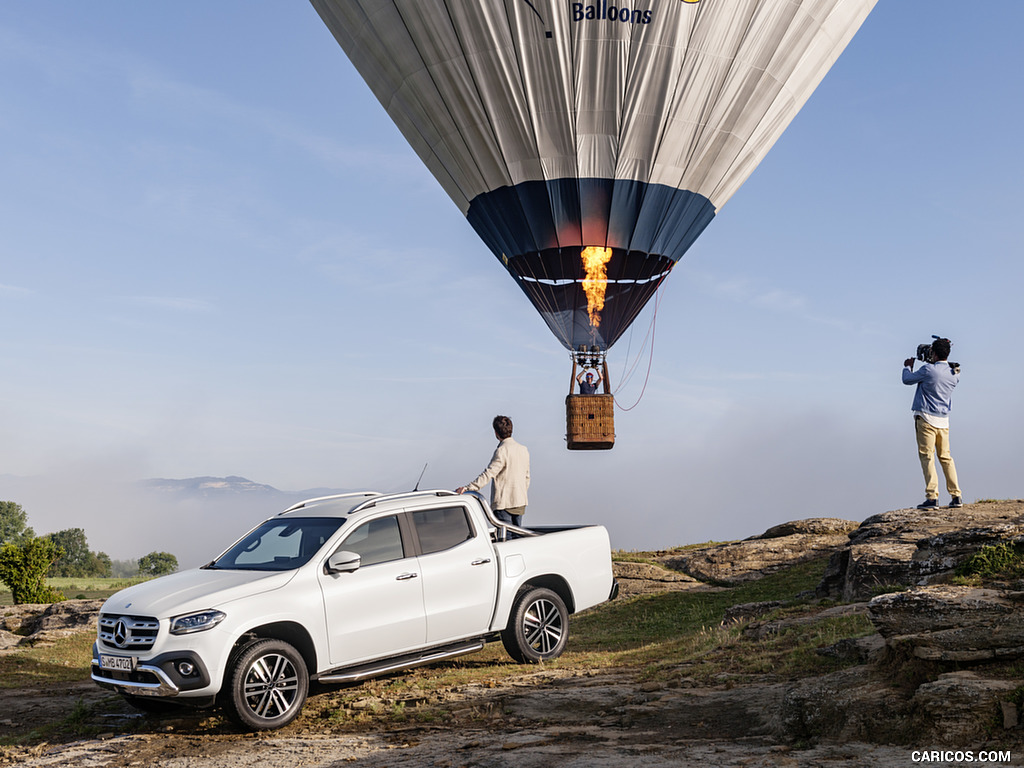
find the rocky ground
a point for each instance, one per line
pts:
(867, 714)
(533, 721)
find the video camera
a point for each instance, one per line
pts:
(927, 355)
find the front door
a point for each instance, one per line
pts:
(376, 610)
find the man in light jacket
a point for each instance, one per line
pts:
(508, 473)
(932, 402)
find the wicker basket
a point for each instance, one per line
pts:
(590, 422)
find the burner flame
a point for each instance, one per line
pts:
(595, 263)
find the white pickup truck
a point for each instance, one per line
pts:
(340, 588)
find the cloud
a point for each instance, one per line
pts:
(15, 290)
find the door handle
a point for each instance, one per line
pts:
(406, 576)
(484, 561)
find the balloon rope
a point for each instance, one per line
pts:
(627, 375)
(650, 358)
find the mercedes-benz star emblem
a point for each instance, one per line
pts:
(121, 634)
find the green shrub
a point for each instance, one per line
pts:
(1003, 559)
(23, 569)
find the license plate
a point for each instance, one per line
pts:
(119, 663)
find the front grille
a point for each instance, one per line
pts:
(128, 633)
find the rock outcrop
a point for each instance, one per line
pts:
(30, 624)
(858, 704)
(948, 623)
(911, 547)
(961, 707)
(849, 705)
(756, 557)
(928, 620)
(645, 578)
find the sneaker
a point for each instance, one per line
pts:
(955, 502)
(928, 504)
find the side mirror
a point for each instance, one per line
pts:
(343, 562)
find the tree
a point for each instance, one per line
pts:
(102, 564)
(78, 560)
(13, 527)
(23, 568)
(124, 569)
(157, 564)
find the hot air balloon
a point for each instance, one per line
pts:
(590, 143)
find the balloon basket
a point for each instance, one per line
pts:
(590, 422)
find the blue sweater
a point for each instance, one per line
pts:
(935, 384)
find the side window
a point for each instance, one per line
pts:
(376, 541)
(440, 529)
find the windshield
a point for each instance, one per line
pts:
(280, 544)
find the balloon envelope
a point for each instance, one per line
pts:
(621, 127)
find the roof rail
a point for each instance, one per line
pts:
(401, 494)
(355, 494)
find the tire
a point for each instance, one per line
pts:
(538, 628)
(268, 683)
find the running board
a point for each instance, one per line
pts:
(355, 674)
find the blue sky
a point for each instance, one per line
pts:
(219, 257)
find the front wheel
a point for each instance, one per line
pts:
(268, 685)
(538, 628)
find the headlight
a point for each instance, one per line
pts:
(196, 622)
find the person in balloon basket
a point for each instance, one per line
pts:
(935, 382)
(508, 473)
(589, 387)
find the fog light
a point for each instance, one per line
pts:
(186, 668)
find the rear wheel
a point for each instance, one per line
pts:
(268, 685)
(538, 628)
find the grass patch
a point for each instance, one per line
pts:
(633, 556)
(791, 653)
(80, 588)
(683, 631)
(93, 583)
(67, 660)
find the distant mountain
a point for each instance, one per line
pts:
(219, 487)
(205, 486)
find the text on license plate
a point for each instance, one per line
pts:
(121, 663)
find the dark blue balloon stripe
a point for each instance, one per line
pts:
(536, 229)
(631, 215)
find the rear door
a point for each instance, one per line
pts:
(460, 576)
(376, 610)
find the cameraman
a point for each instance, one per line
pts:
(935, 383)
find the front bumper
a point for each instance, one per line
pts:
(159, 676)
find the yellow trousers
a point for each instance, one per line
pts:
(931, 441)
